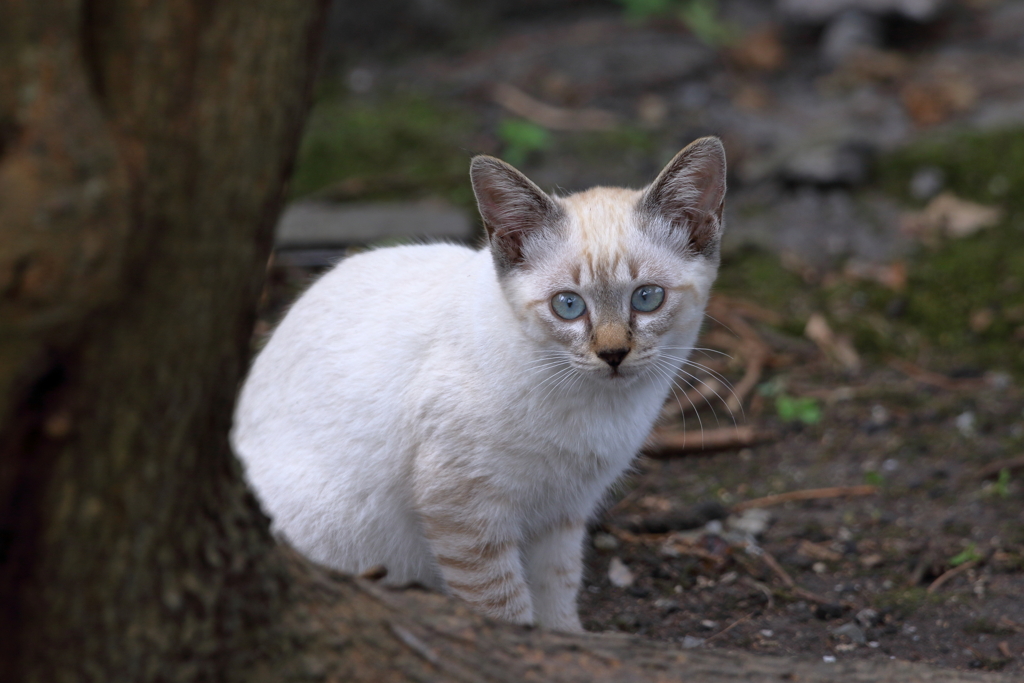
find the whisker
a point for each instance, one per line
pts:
(672, 380)
(551, 379)
(699, 348)
(655, 367)
(721, 323)
(721, 378)
(710, 404)
(692, 363)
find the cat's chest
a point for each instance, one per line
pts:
(583, 432)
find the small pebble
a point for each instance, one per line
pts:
(619, 574)
(965, 423)
(829, 659)
(851, 631)
(603, 541)
(690, 642)
(867, 617)
(666, 605)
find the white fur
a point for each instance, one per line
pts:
(413, 392)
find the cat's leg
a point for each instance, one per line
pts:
(554, 567)
(480, 563)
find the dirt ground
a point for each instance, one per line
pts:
(928, 567)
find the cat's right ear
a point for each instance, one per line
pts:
(511, 206)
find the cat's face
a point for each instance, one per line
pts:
(610, 281)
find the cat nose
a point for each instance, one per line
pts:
(612, 357)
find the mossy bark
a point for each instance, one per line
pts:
(144, 147)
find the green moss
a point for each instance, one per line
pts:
(986, 166)
(756, 275)
(904, 601)
(978, 277)
(391, 148)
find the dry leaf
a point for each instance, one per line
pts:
(751, 97)
(982, 319)
(817, 552)
(936, 99)
(892, 275)
(760, 50)
(837, 348)
(549, 116)
(949, 215)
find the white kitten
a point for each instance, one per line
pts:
(456, 415)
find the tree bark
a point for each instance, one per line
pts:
(144, 147)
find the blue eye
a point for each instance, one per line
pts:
(647, 298)
(568, 305)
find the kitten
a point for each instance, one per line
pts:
(457, 415)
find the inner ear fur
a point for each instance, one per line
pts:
(511, 206)
(690, 193)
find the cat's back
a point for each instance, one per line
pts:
(355, 328)
(377, 286)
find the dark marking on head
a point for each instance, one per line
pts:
(634, 268)
(575, 272)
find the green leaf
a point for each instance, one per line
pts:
(803, 409)
(521, 137)
(873, 478)
(1002, 485)
(639, 10)
(968, 554)
(701, 17)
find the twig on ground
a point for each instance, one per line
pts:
(774, 565)
(952, 573)
(751, 376)
(761, 588)
(752, 346)
(550, 116)
(799, 592)
(934, 379)
(415, 644)
(992, 470)
(664, 443)
(747, 309)
(806, 494)
(641, 488)
(728, 628)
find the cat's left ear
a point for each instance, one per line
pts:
(690, 194)
(511, 206)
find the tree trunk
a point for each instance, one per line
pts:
(144, 145)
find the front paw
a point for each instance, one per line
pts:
(568, 623)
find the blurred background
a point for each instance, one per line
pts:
(866, 339)
(860, 133)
